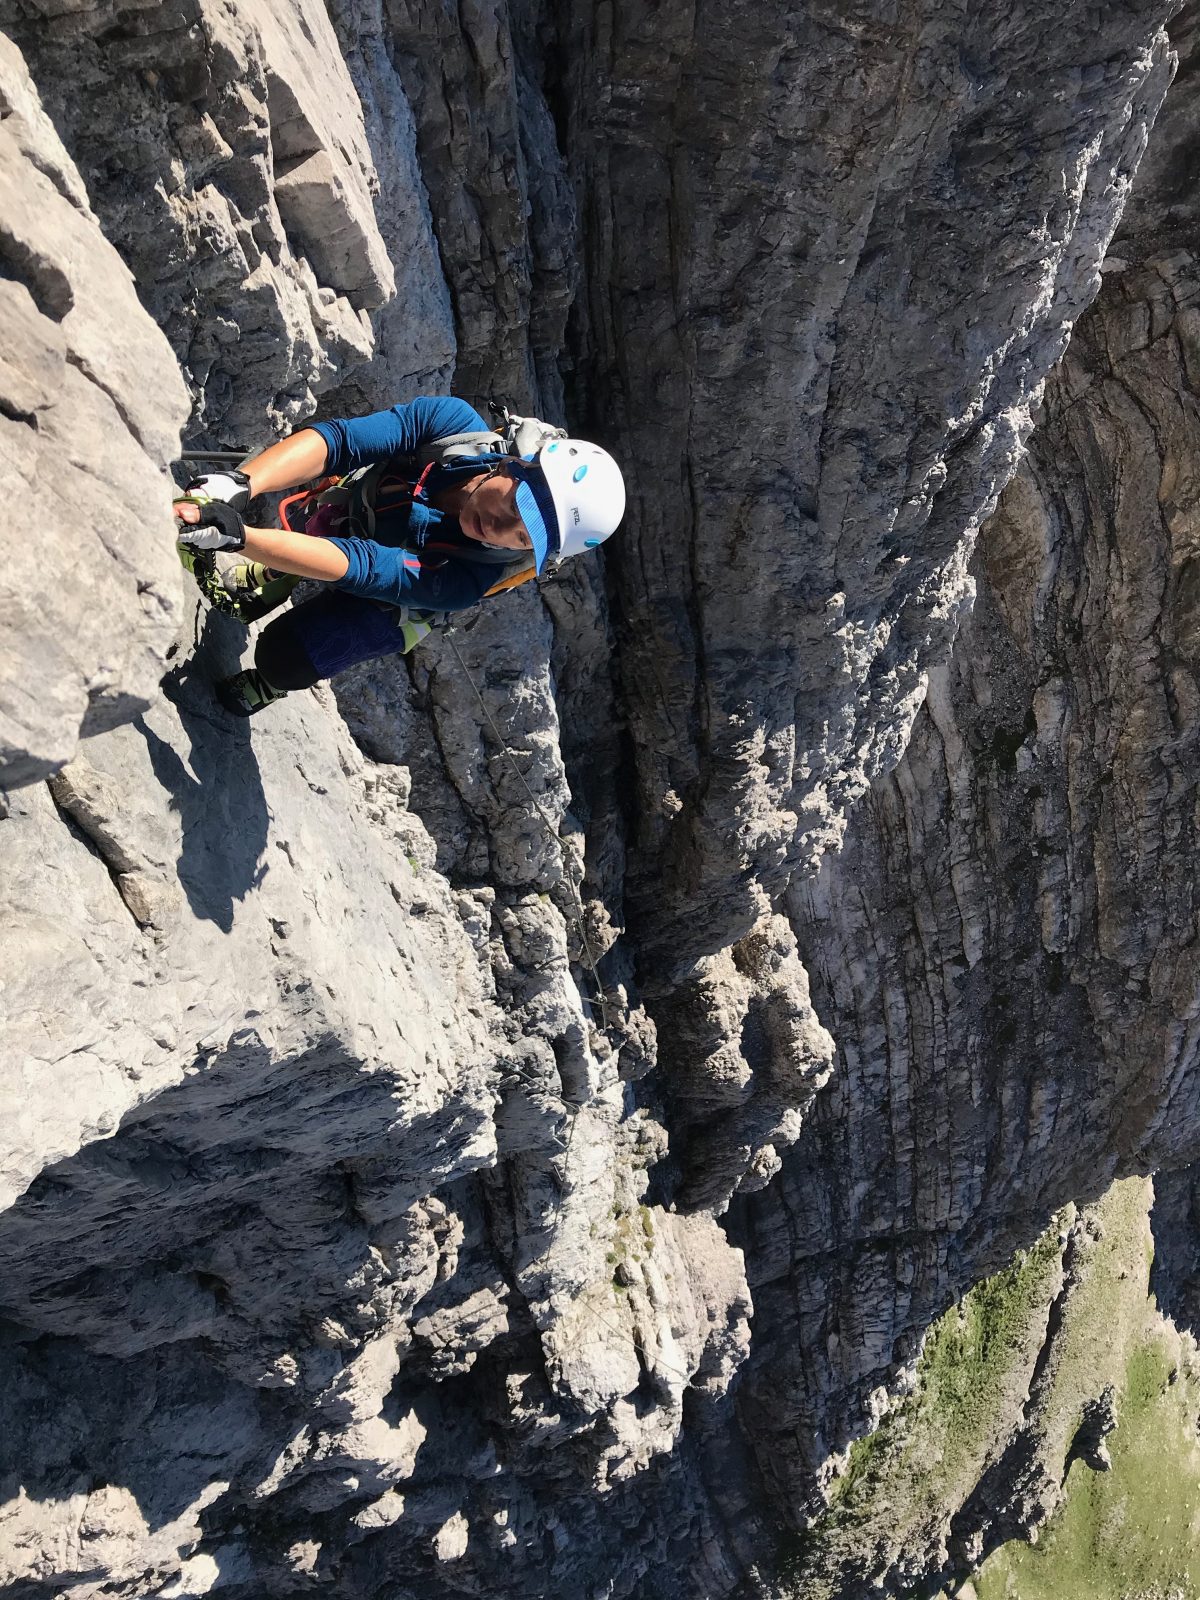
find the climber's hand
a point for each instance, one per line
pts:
(213, 526)
(231, 487)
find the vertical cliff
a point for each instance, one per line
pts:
(446, 1145)
(1005, 946)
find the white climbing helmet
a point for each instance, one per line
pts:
(587, 491)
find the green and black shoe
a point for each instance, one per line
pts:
(246, 693)
(246, 592)
(255, 589)
(202, 565)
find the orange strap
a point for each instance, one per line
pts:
(302, 494)
(512, 582)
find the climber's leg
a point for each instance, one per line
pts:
(313, 641)
(247, 692)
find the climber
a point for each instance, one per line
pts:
(419, 511)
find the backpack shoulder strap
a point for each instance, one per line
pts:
(521, 436)
(461, 447)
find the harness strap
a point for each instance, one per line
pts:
(513, 581)
(456, 446)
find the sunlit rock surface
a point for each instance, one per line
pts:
(406, 1092)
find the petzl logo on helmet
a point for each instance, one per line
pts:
(587, 491)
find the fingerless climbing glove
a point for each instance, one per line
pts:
(231, 487)
(220, 527)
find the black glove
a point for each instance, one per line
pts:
(231, 487)
(220, 528)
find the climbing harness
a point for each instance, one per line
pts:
(353, 503)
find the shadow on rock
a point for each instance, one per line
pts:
(151, 1434)
(163, 1290)
(220, 801)
(1175, 1224)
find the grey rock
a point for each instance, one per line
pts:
(376, 1072)
(1003, 949)
(323, 174)
(90, 407)
(857, 389)
(1098, 1421)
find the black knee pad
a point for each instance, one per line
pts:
(280, 657)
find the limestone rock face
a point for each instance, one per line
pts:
(833, 267)
(1005, 947)
(403, 1091)
(90, 407)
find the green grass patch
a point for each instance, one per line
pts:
(971, 1353)
(969, 1359)
(868, 1457)
(928, 1452)
(1132, 1533)
(904, 1482)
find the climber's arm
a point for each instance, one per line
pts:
(359, 566)
(296, 553)
(278, 548)
(339, 445)
(399, 431)
(372, 571)
(297, 459)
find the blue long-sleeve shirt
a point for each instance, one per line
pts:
(420, 556)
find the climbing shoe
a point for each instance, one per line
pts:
(255, 590)
(202, 564)
(246, 692)
(246, 578)
(414, 628)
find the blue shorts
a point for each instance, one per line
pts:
(324, 636)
